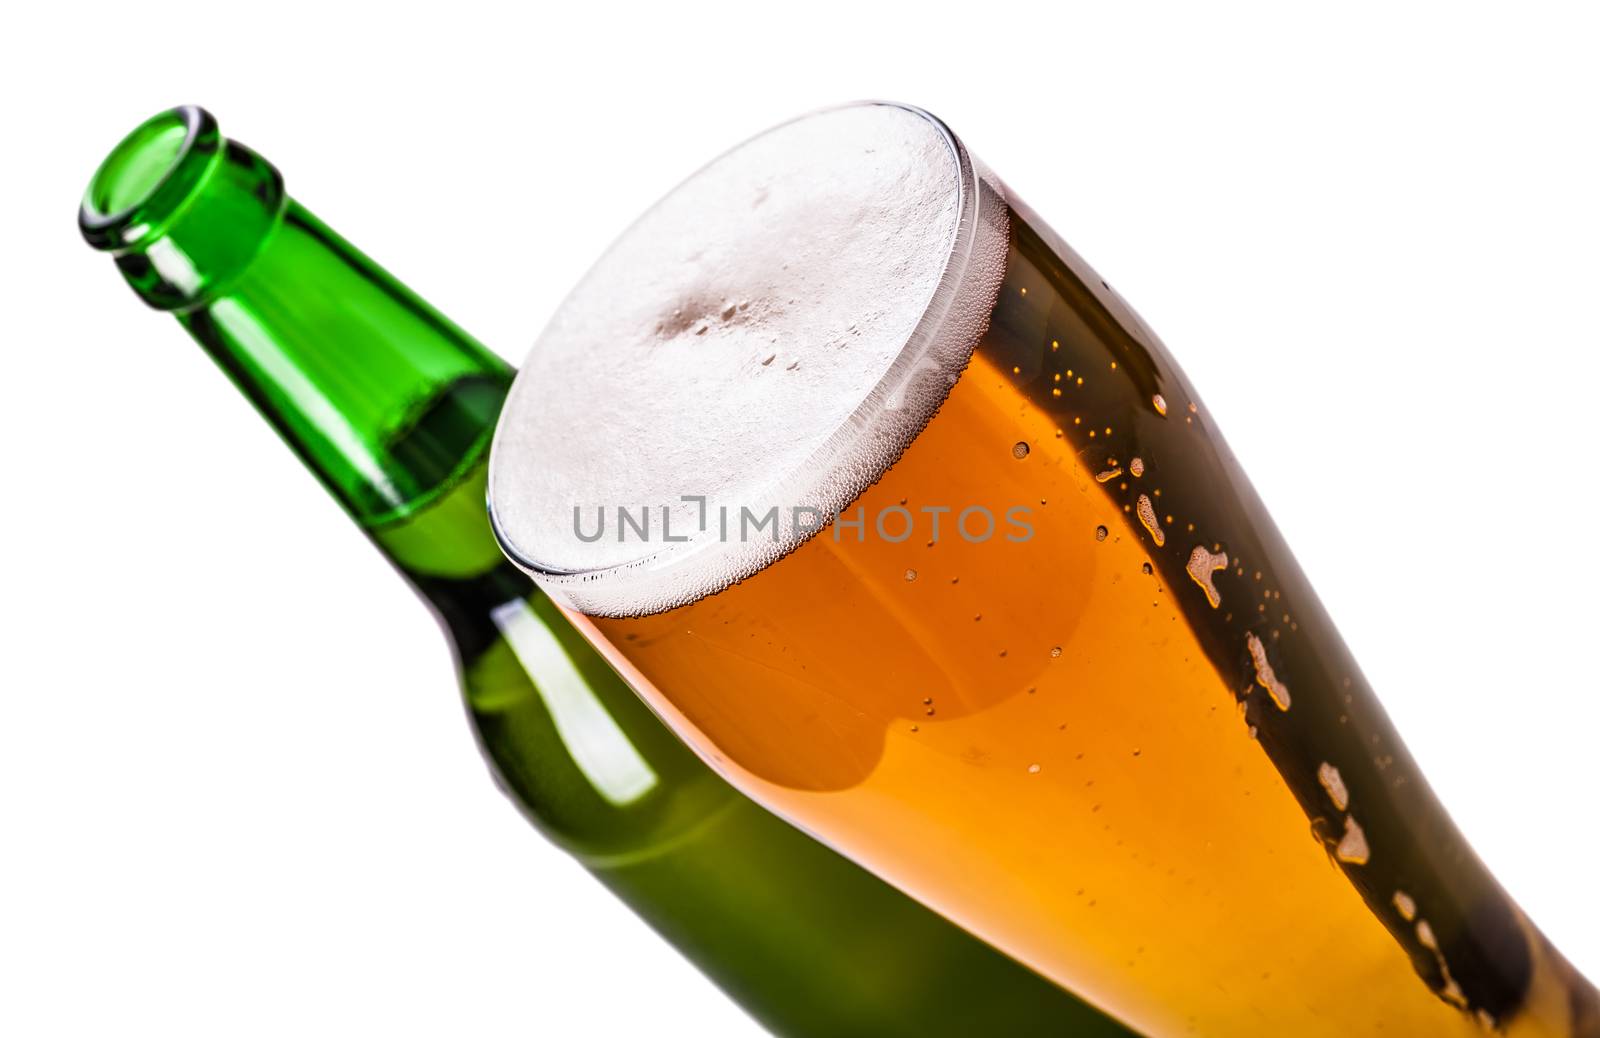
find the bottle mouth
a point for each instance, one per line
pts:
(145, 180)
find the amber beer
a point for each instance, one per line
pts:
(1097, 716)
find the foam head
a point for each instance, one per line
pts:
(768, 337)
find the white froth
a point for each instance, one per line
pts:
(771, 334)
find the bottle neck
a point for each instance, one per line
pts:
(383, 398)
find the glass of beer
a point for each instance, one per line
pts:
(905, 521)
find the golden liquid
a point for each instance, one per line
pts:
(1081, 752)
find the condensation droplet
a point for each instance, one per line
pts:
(1033, 769)
(1264, 674)
(1333, 784)
(1404, 904)
(1019, 450)
(1202, 564)
(1160, 403)
(1136, 466)
(1107, 475)
(1147, 516)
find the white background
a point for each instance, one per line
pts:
(236, 791)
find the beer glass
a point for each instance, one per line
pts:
(901, 517)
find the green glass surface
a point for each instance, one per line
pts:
(391, 406)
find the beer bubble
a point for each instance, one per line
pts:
(1033, 769)
(1264, 673)
(1333, 783)
(1202, 564)
(911, 574)
(1055, 652)
(1352, 848)
(1019, 450)
(1147, 516)
(1100, 533)
(1147, 569)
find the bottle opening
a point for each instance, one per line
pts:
(764, 342)
(145, 178)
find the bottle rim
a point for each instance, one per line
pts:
(144, 181)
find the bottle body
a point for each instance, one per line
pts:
(391, 406)
(806, 941)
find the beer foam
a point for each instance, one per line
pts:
(771, 334)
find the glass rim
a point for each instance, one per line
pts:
(896, 408)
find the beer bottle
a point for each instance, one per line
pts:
(391, 406)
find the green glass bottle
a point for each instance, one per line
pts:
(391, 406)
